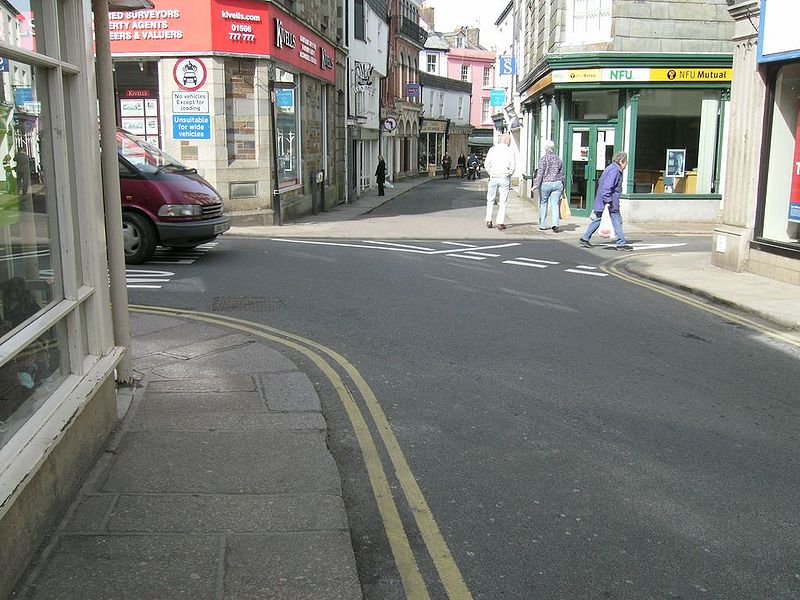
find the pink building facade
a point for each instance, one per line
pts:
(478, 68)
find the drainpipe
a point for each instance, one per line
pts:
(111, 193)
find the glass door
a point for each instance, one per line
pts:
(590, 148)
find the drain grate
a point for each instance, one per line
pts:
(245, 303)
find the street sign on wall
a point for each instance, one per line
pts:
(413, 90)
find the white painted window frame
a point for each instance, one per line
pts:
(84, 309)
(579, 29)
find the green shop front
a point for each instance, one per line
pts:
(666, 111)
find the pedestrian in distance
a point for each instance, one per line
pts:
(500, 163)
(380, 175)
(462, 165)
(609, 188)
(549, 181)
(447, 162)
(472, 166)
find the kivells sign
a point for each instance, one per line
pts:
(207, 27)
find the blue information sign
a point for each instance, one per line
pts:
(497, 98)
(413, 90)
(3, 65)
(508, 65)
(23, 95)
(191, 127)
(284, 98)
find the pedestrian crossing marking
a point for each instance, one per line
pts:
(524, 264)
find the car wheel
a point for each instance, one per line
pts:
(138, 237)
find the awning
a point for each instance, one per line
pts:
(480, 140)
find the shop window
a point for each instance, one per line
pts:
(240, 109)
(595, 105)
(287, 127)
(781, 203)
(676, 141)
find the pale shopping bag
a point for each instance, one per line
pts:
(606, 229)
(388, 185)
(563, 208)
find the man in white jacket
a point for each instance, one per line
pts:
(500, 164)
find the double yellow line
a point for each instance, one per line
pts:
(613, 268)
(413, 582)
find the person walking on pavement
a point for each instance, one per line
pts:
(609, 188)
(500, 164)
(462, 165)
(472, 166)
(380, 175)
(550, 182)
(447, 162)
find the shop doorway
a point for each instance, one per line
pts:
(589, 149)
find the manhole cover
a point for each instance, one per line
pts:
(245, 303)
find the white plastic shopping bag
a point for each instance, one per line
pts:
(388, 185)
(606, 229)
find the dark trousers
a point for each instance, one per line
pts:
(446, 172)
(380, 188)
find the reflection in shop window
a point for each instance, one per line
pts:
(286, 127)
(677, 120)
(30, 377)
(29, 259)
(782, 200)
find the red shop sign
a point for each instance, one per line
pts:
(295, 44)
(242, 27)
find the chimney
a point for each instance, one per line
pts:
(473, 35)
(426, 14)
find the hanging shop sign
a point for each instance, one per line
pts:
(623, 75)
(497, 98)
(777, 31)
(241, 27)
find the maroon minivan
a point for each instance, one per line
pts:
(164, 203)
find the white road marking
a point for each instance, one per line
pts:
(144, 278)
(536, 260)
(397, 245)
(171, 262)
(485, 254)
(466, 256)
(460, 244)
(586, 267)
(343, 245)
(480, 248)
(143, 287)
(524, 264)
(580, 272)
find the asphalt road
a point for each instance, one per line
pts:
(575, 436)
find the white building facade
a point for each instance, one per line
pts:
(444, 125)
(368, 35)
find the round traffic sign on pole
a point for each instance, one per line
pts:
(190, 73)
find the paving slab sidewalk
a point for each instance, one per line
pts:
(217, 484)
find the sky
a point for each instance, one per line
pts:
(451, 14)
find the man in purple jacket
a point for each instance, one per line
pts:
(609, 188)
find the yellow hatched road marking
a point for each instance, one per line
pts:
(441, 556)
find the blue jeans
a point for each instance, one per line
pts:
(549, 195)
(616, 221)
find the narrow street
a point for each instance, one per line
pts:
(574, 435)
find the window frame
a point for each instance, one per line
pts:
(465, 73)
(83, 311)
(432, 65)
(487, 76)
